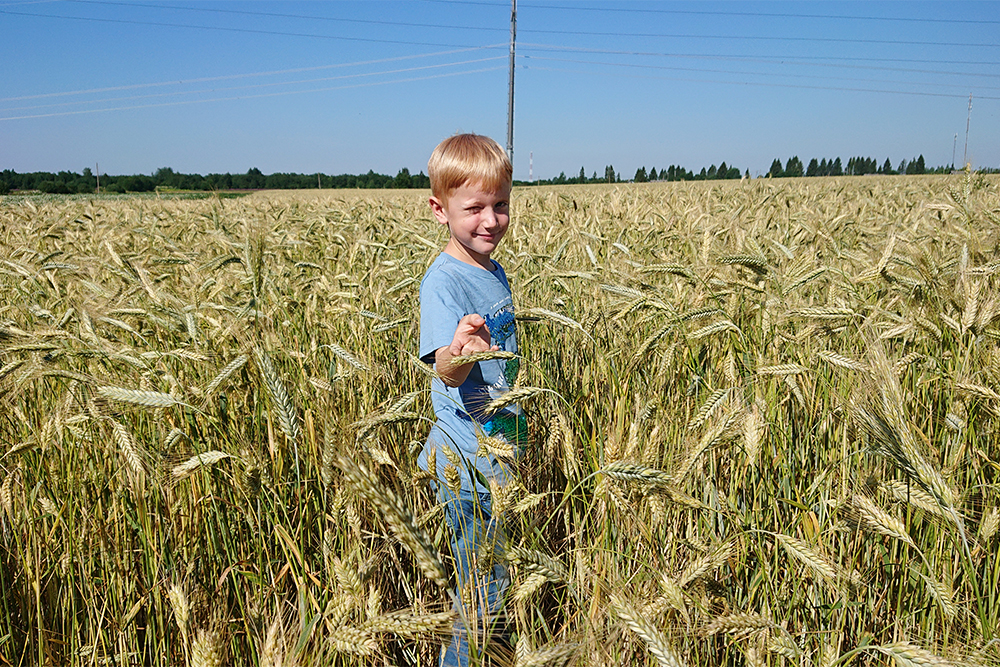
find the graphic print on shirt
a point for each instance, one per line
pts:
(511, 423)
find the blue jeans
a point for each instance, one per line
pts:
(475, 535)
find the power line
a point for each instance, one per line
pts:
(262, 95)
(227, 29)
(710, 56)
(765, 84)
(765, 38)
(260, 85)
(533, 31)
(313, 17)
(783, 61)
(634, 10)
(310, 17)
(524, 30)
(746, 73)
(250, 74)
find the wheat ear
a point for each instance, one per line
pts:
(281, 402)
(224, 374)
(910, 655)
(400, 521)
(149, 399)
(198, 461)
(655, 641)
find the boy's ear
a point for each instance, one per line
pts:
(437, 207)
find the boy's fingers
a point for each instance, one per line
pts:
(472, 326)
(471, 335)
(472, 322)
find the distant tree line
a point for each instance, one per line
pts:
(856, 166)
(66, 182)
(642, 175)
(793, 167)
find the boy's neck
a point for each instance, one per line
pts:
(462, 254)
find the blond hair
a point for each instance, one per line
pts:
(468, 158)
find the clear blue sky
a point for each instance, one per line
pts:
(344, 87)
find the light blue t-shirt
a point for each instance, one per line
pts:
(450, 290)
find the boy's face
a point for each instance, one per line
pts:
(477, 220)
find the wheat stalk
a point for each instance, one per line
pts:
(366, 427)
(353, 641)
(513, 396)
(756, 264)
(554, 317)
(198, 461)
(206, 649)
(131, 451)
(557, 655)
(835, 359)
(805, 554)
(529, 586)
(826, 313)
(536, 562)
(916, 496)
(487, 355)
(281, 402)
(989, 524)
(711, 404)
(906, 654)
(739, 623)
(782, 369)
(655, 641)
(410, 625)
(702, 566)
(711, 329)
(880, 520)
(181, 607)
(224, 374)
(633, 472)
(940, 592)
(400, 521)
(151, 399)
(346, 356)
(498, 447)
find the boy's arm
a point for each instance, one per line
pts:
(471, 336)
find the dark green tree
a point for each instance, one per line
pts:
(254, 179)
(403, 179)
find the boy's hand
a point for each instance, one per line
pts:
(471, 336)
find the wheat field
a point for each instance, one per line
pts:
(765, 427)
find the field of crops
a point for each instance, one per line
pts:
(765, 423)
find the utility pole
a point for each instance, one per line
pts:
(965, 157)
(954, 144)
(510, 86)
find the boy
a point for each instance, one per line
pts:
(465, 308)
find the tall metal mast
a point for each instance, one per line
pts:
(965, 157)
(510, 88)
